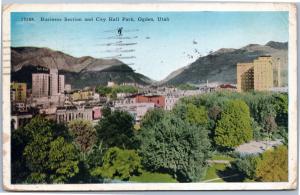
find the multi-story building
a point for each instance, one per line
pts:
(258, 75)
(40, 85)
(44, 84)
(53, 75)
(61, 83)
(18, 91)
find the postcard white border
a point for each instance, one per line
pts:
(105, 7)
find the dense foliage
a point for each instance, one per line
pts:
(47, 154)
(116, 129)
(273, 165)
(234, 127)
(112, 91)
(119, 164)
(84, 134)
(172, 145)
(247, 165)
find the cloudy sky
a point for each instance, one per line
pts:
(154, 48)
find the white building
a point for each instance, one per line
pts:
(68, 88)
(40, 85)
(66, 114)
(53, 82)
(170, 101)
(61, 83)
(137, 110)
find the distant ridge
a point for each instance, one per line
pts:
(80, 72)
(220, 66)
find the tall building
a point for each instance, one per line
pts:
(18, 91)
(40, 84)
(61, 83)
(53, 82)
(261, 75)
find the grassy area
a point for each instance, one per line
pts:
(221, 157)
(212, 171)
(148, 177)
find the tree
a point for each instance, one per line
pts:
(192, 114)
(234, 127)
(84, 134)
(247, 165)
(116, 129)
(103, 90)
(63, 160)
(47, 155)
(119, 164)
(19, 171)
(281, 107)
(171, 145)
(273, 166)
(270, 125)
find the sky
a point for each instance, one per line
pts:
(157, 47)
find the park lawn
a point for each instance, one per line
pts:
(147, 177)
(222, 157)
(212, 170)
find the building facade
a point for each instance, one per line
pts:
(18, 91)
(67, 114)
(258, 75)
(40, 85)
(53, 75)
(61, 83)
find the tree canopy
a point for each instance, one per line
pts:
(84, 134)
(172, 145)
(273, 166)
(234, 127)
(119, 164)
(116, 128)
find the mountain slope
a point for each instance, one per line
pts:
(220, 66)
(80, 72)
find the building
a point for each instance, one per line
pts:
(170, 102)
(137, 110)
(18, 91)
(20, 120)
(82, 95)
(53, 76)
(40, 85)
(110, 84)
(158, 100)
(226, 87)
(69, 113)
(261, 75)
(61, 83)
(44, 84)
(68, 88)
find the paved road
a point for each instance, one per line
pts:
(256, 147)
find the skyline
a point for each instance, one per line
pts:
(172, 40)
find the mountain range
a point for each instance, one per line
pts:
(79, 72)
(218, 66)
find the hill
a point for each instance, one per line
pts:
(220, 66)
(80, 72)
